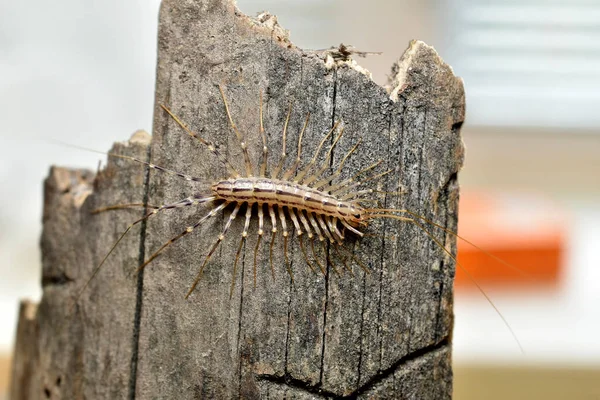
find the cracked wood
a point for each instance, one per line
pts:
(384, 334)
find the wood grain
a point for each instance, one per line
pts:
(386, 334)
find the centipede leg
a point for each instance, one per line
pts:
(213, 248)
(356, 260)
(299, 233)
(329, 260)
(273, 235)
(259, 238)
(189, 229)
(310, 238)
(237, 258)
(285, 234)
(279, 166)
(312, 247)
(304, 254)
(242, 242)
(239, 136)
(343, 259)
(261, 130)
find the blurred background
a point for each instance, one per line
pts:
(83, 72)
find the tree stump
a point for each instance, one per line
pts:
(383, 334)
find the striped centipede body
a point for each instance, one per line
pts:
(305, 199)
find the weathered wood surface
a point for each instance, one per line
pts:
(386, 334)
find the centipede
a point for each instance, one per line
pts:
(301, 202)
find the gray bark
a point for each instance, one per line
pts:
(386, 334)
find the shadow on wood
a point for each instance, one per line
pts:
(386, 334)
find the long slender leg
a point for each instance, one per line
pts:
(260, 235)
(341, 190)
(239, 136)
(214, 247)
(187, 230)
(273, 235)
(122, 207)
(237, 257)
(315, 226)
(352, 195)
(292, 170)
(324, 228)
(283, 152)
(299, 233)
(182, 203)
(261, 129)
(342, 258)
(326, 162)
(292, 213)
(311, 239)
(242, 242)
(453, 257)
(312, 162)
(211, 147)
(338, 171)
(301, 241)
(332, 222)
(356, 260)
(312, 247)
(332, 187)
(351, 228)
(337, 271)
(372, 212)
(284, 232)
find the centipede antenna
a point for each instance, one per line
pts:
(498, 259)
(292, 170)
(239, 136)
(338, 171)
(187, 230)
(441, 246)
(312, 162)
(213, 248)
(277, 169)
(261, 129)
(121, 207)
(211, 147)
(326, 162)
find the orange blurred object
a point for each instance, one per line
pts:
(523, 229)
